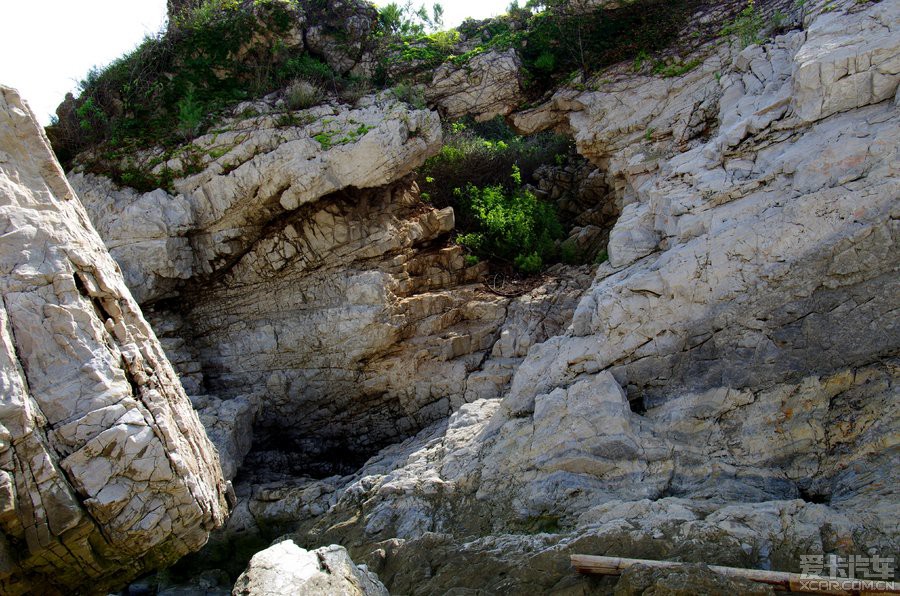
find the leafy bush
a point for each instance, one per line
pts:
(405, 21)
(190, 115)
(308, 68)
(512, 226)
(173, 82)
(561, 38)
(412, 94)
(484, 154)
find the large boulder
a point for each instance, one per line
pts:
(285, 568)
(105, 470)
(488, 85)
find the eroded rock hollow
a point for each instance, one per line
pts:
(722, 389)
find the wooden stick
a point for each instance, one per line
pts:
(779, 580)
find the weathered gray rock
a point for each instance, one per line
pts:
(326, 310)
(726, 389)
(285, 568)
(342, 33)
(105, 470)
(210, 222)
(849, 60)
(691, 579)
(488, 85)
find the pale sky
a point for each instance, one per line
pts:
(47, 46)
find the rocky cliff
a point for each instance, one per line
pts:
(722, 390)
(105, 470)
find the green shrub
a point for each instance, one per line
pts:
(354, 89)
(405, 21)
(172, 83)
(308, 68)
(561, 38)
(412, 94)
(676, 68)
(484, 154)
(529, 264)
(301, 95)
(513, 226)
(190, 115)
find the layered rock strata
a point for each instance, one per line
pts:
(298, 282)
(727, 389)
(105, 470)
(724, 392)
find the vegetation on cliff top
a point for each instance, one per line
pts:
(484, 171)
(221, 52)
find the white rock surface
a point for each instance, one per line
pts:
(486, 86)
(336, 320)
(285, 568)
(105, 470)
(727, 388)
(161, 240)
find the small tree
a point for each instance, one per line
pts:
(190, 115)
(405, 21)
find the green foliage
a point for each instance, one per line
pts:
(559, 38)
(445, 40)
(339, 136)
(513, 226)
(747, 26)
(529, 264)
(405, 21)
(640, 60)
(190, 115)
(676, 68)
(485, 154)
(546, 62)
(172, 83)
(307, 68)
(484, 171)
(412, 94)
(91, 119)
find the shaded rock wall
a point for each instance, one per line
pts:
(724, 391)
(727, 389)
(105, 470)
(299, 282)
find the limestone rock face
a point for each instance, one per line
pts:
(341, 32)
(315, 294)
(165, 240)
(727, 387)
(105, 470)
(486, 86)
(285, 568)
(723, 388)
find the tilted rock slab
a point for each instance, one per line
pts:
(487, 86)
(105, 470)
